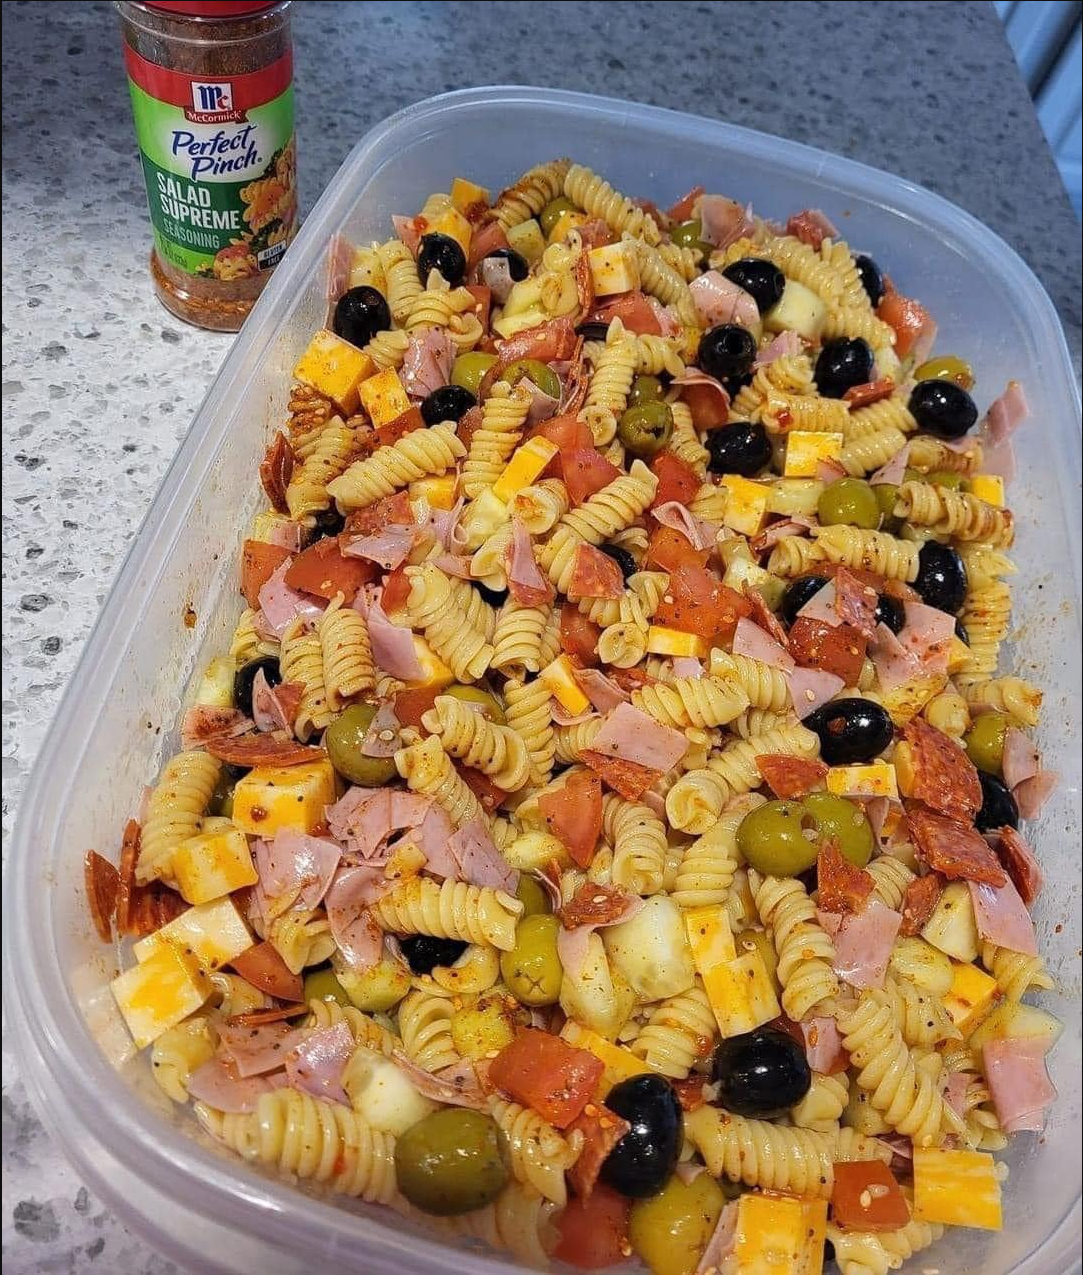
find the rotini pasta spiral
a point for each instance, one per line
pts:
(419, 454)
(180, 1051)
(955, 513)
(431, 607)
(363, 1027)
(709, 503)
(684, 443)
(889, 413)
(861, 456)
(388, 349)
(301, 938)
(436, 307)
(302, 661)
(348, 668)
(679, 1031)
(331, 452)
(246, 644)
(487, 746)
(793, 556)
(870, 550)
(948, 712)
(922, 1019)
(878, 1252)
(764, 686)
(572, 741)
(540, 506)
(692, 701)
(518, 637)
(806, 954)
(985, 616)
(659, 279)
(174, 811)
(527, 708)
(858, 322)
(425, 1027)
(503, 415)
(708, 864)
(595, 196)
(927, 454)
(520, 1221)
(638, 838)
(758, 721)
(529, 195)
(427, 769)
(639, 602)
(823, 1105)
(658, 354)
(1016, 973)
(400, 273)
(540, 1155)
(1021, 700)
(607, 393)
(622, 645)
(450, 910)
(890, 877)
(683, 258)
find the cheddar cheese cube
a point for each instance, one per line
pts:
(273, 797)
(709, 936)
(526, 464)
(988, 487)
(798, 310)
(956, 1188)
(434, 672)
(216, 685)
(614, 268)
(746, 504)
(560, 681)
(212, 864)
(907, 700)
(156, 994)
(527, 240)
(438, 491)
(958, 654)
(779, 1235)
(452, 223)
(742, 994)
(973, 994)
(877, 779)
(805, 450)
(666, 641)
(335, 368)
(269, 527)
(384, 397)
(565, 223)
(467, 194)
(620, 1064)
(213, 934)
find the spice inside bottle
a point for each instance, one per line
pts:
(212, 97)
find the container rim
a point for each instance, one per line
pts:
(48, 1031)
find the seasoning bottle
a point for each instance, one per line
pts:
(212, 96)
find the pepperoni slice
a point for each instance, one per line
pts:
(765, 617)
(919, 901)
(690, 1092)
(869, 392)
(945, 778)
(594, 905)
(129, 856)
(102, 886)
(602, 1129)
(1017, 859)
(275, 471)
(842, 886)
(855, 602)
(262, 750)
(594, 575)
(628, 778)
(152, 907)
(953, 849)
(789, 777)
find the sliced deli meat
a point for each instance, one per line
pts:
(1020, 863)
(944, 777)
(1018, 1080)
(220, 1085)
(632, 735)
(594, 575)
(790, 777)
(811, 226)
(841, 885)
(757, 644)
(316, 1063)
(720, 300)
(480, 862)
(919, 902)
(863, 944)
(953, 849)
(1002, 917)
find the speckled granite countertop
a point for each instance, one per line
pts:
(100, 383)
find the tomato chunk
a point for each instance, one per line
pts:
(586, 471)
(568, 432)
(670, 550)
(482, 787)
(908, 317)
(839, 649)
(259, 561)
(410, 706)
(709, 405)
(396, 591)
(696, 601)
(402, 425)
(578, 635)
(544, 1073)
(373, 518)
(594, 1230)
(264, 968)
(677, 480)
(866, 1197)
(322, 569)
(573, 814)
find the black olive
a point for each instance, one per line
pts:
(842, 365)
(761, 1074)
(798, 592)
(997, 805)
(941, 579)
(741, 447)
(622, 558)
(592, 331)
(890, 611)
(872, 278)
(829, 1253)
(734, 384)
(441, 252)
(850, 730)
(246, 675)
(644, 1158)
(448, 403)
(423, 953)
(942, 408)
(359, 314)
(517, 264)
(728, 350)
(961, 633)
(763, 280)
(494, 597)
(328, 522)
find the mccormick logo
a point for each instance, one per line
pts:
(212, 103)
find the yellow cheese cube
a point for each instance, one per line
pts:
(956, 1188)
(789, 496)
(988, 487)
(509, 324)
(805, 450)
(746, 504)
(212, 864)
(335, 368)
(742, 994)
(213, 934)
(216, 685)
(620, 1064)
(799, 310)
(565, 223)
(709, 936)
(614, 268)
(467, 194)
(906, 701)
(526, 463)
(438, 491)
(273, 797)
(563, 687)
(663, 641)
(450, 222)
(973, 994)
(155, 995)
(384, 397)
(434, 672)
(779, 1235)
(527, 240)
(958, 654)
(877, 779)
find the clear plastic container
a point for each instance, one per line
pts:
(212, 1213)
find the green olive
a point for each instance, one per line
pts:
(221, 802)
(490, 705)
(844, 820)
(531, 895)
(534, 370)
(453, 1161)
(912, 475)
(343, 739)
(887, 494)
(646, 389)
(646, 430)
(469, 369)
(852, 501)
(553, 211)
(532, 969)
(985, 741)
(779, 838)
(322, 985)
(945, 478)
(670, 1230)
(689, 234)
(946, 367)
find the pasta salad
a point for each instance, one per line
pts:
(601, 837)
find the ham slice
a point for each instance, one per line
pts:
(256, 1050)
(1016, 1073)
(720, 300)
(955, 1091)
(202, 723)
(1020, 863)
(526, 584)
(632, 735)
(382, 737)
(786, 343)
(275, 707)
(828, 470)
(927, 635)
(478, 859)
(667, 319)
(594, 575)
(723, 221)
(495, 274)
(811, 688)
(359, 938)
(712, 389)
(811, 226)
(863, 944)
(542, 405)
(365, 819)
(1002, 917)
(856, 602)
(756, 644)
(894, 471)
(823, 1045)
(1001, 420)
(392, 646)
(427, 365)
(699, 533)
(295, 870)
(453, 564)
(339, 263)
(455, 1086)
(287, 535)
(601, 690)
(562, 717)
(316, 1062)
(1021, 759)
(280, 605)
(722, 1243)
(1032, 794)
(486, 240)
(389, 547)
(687, 666)
(770, 536)
(895, 665)
(821, 606)
(218, 1084)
